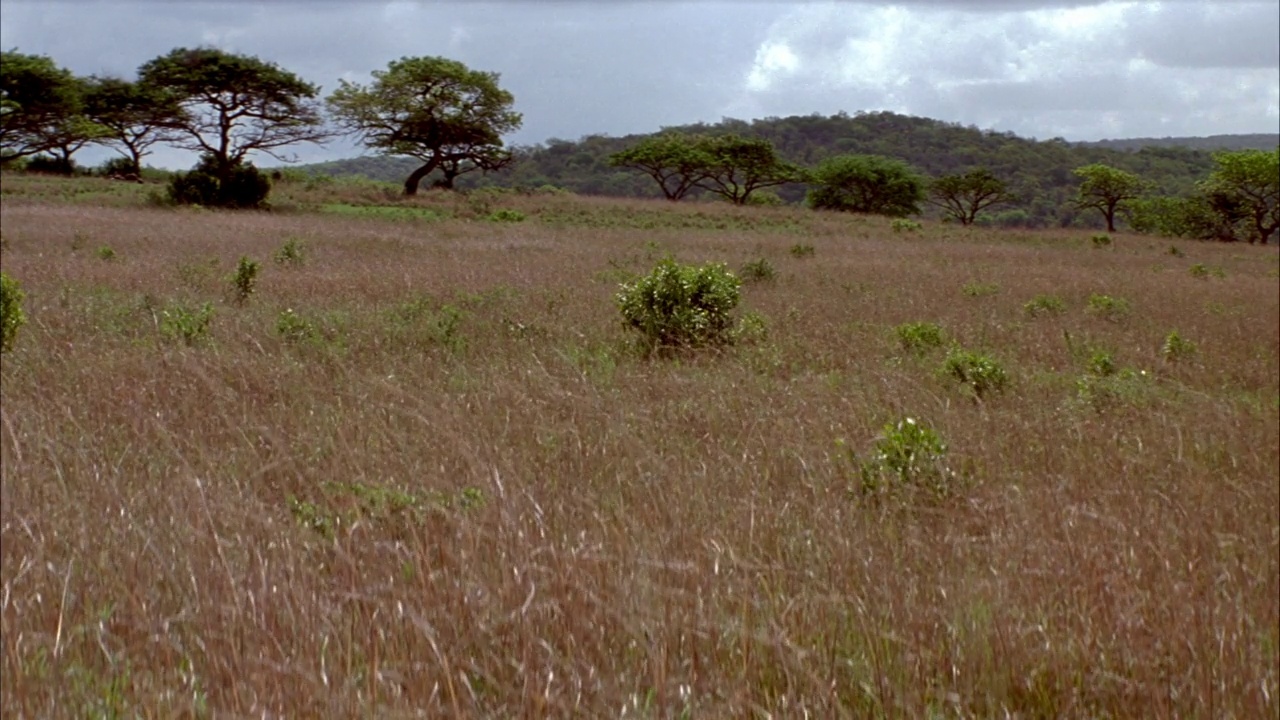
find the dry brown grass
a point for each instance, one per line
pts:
(525, 519)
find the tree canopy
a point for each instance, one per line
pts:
(1105, 189)
(235, 104)
(1250, 178)
(738, 166)
(675, 161)
(437, 110)
(41, 108)
(963, 196)
(135, 116)
(866, 184)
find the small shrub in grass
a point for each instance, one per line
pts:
(1104, 392)
(1176, 347)
(758, 270)
(11, 315)
(979, 372)
(245, 280)
(908, 456)
(421, 323)
(1044, 305)
(802, 250)
(1175, 251)
(291, 253)
(752, 328)
(681, 305)
(903, 225)
(507, 216)
(1107, 307)
(1101, 363)
(920, 337)
(1199, 270)
(1100, 241)
(106, 253)
(186, 324)
(977, 289)
(294, 328)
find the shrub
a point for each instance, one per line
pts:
(121, 166)
(903, 225)
(293, 328)
(757, 270)
(977, 289)
(245, 280)
(1175, 347)
(1045, 305)
(907, 456)
(979, 372)
(11, 315)
(291, 253)
(1200, 270)
(508, 216)
(244, 188)
(1100, 241)
(802, 250)
(919, 337)
(752, 328)
(1107, 307)
(106, 253)
(1101, 363)
(1125, 387)
(1175, 251)
(50, 165)
(179, 322)
(681, 305)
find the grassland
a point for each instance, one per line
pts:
(422, 471)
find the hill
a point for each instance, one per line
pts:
(1040, 172)
(1255, 141)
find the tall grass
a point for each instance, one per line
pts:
(522, 517)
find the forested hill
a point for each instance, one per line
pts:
(1040, 172)
(1255, 141)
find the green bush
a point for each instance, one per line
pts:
(11, 315)
(1044, 305)
(981, 373)
(50, 165)
(681, 305)
(294, 328)
(802, 250)
(508, 216)
(1100, 241)
(919, 337)
(977, 289)
(907, 456)
(291, 253)
(245, 280)
(758, 270)
(1107, 307)
(904, 225)
(244, 188)
(179, 322)
(106, 253)
(1176, 347)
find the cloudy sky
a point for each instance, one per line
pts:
(1078, 69)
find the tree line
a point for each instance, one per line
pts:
(448, 121)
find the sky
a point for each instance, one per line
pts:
(1077, 69)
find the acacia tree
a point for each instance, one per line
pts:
(963, 196)
(675, 161)
(866, 184)
(739, 166)
(434, 109)
(233, 105)
(41, 108)
(1249, 182)
(1106, 189)
(135, 116)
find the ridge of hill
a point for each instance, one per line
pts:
(1038, 171)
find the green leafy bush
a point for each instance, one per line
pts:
(508, 216)
(981, 373)
(11, 315)
(681, 305)
(1102, 363)
(907, 456)
(245, 280)
(189, 325)
(1176, 347)
(1107, 307)
(1100, 241)
(293, 328)
(106, 253)
(903, 225)
(919, 337)
(291, 253)
(1200, 270)
(758, 270)
(802, 250)
(245, 187)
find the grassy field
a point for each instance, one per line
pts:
(422, 471)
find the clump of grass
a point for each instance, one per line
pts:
(1200, 270)
(12, 317)
(758, 270)
(1125, 387)
(1176, 251)
(920, 337)
(106, 254)
(506, 216)
(1107, 307)
(1100, 241)
(1044, 305)
(802, 250)
(901, 225)
(1101, 363)
(293, 328)
(981, 373)
(977, 289)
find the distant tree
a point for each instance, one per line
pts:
(1106, 189)
(434, 109)
(134, 115)
(866, 184)
(963, 196)
(739, 166)
(234, 105)
(41, 109)
(675, 161)
(1249, 180)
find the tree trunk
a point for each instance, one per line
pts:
(411, 185)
